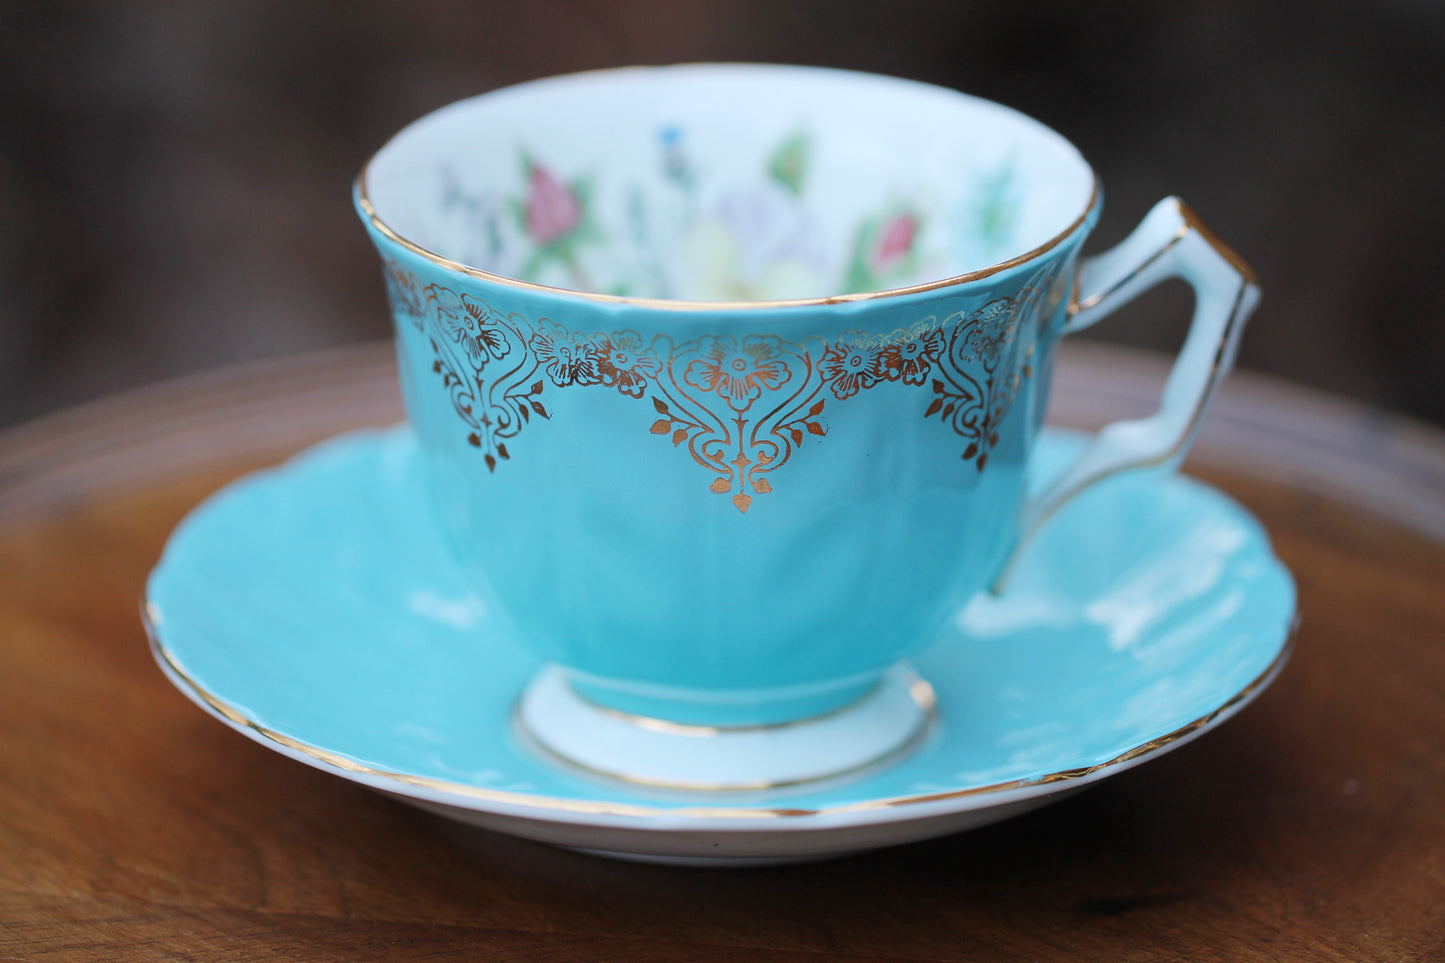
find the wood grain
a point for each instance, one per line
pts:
(132, 826)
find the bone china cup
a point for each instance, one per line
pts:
(726, 377)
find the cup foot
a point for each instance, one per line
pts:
(877, 729)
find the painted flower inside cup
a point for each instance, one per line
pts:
(554, 217)
(553, 210)
(895, 242)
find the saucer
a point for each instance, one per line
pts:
(311, 608)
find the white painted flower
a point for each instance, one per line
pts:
(756, 243)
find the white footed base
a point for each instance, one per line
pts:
(878, 728)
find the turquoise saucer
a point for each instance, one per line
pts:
(312, 608)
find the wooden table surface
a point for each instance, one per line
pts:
(132, 826)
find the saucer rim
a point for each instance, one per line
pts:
(720, 817)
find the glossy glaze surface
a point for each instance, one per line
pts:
(314, 602)
(711, 505)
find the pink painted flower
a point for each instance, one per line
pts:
(553, 210)
(895, 241)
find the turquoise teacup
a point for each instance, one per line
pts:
(727, 379)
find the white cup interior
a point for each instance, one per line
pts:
(728, 183)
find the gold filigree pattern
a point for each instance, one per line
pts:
(741, 405)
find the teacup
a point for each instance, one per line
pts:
(727, 379)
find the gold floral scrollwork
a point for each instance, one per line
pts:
(740, 405)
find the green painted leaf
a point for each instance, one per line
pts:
(789, 163)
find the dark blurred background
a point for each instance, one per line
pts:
(175, 177)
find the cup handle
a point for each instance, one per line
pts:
(1170, 242)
